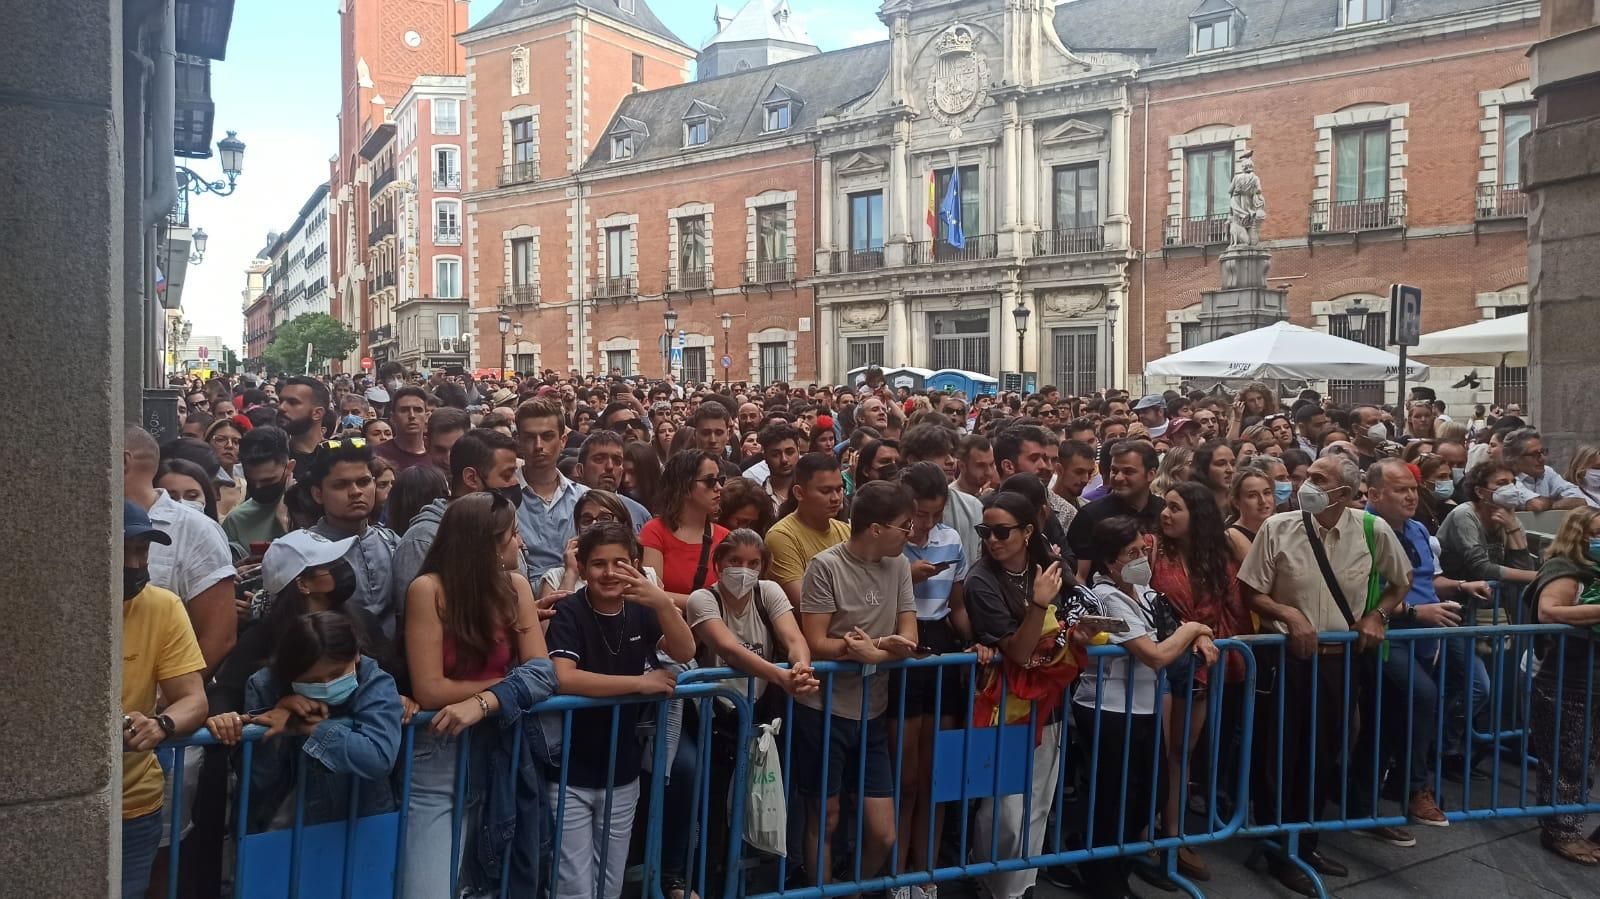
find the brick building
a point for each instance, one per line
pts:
(385, 45)
(1386, 136)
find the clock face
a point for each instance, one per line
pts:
(413, 39)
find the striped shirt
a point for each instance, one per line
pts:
(933, 594)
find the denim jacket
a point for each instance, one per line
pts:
(361, 738)
(516, 817)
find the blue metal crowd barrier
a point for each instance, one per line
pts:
(982, 774)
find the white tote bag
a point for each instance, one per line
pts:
(765, 815)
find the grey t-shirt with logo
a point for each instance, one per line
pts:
(856, 593)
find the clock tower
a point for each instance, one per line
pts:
(383, 46)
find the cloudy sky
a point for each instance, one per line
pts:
(279, 89)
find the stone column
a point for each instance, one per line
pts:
(1117, 172)
(1008, 167)
(827, 345)
(825, 205)
(897, 349)
(1029, 163)
(899, 197)
(66, 139)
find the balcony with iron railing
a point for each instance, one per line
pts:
(446, 180)
(379, 232)
(446, 236)
(1354, 216)
(770, 271)
(519, 296)
(688, 279)
(975, 248)
(616, 287)
(380, 334)
(519, 173)
(384, 179)
(1501, 201)
(865, 259)
(1196, 230)
(1069, 241)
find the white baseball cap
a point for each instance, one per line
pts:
(290, 555)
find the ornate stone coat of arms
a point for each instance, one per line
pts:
(960, 80)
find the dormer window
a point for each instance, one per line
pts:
(779, 117)
(625, 137)
(1216, 34)
(1362, 12)
(696, 132)
(780, 106)
(621, 147)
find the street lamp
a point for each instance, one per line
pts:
(669, 320)
(516, 331)
(230, 151)
(727, 355)
(198, 243)
(1111, 338)
(505, 326)
(1355, 319)
(1020, 313)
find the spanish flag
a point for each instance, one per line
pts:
(933, 206)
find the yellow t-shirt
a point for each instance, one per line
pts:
(157, 644)
(793, 544)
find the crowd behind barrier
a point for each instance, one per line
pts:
(362, 855)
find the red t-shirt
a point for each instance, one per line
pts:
(400, 459)
(679, 558)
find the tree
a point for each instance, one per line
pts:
(329, 339)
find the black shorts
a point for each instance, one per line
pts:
(845, 745)
(921, 683)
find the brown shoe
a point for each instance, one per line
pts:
(1394, 836)
(1191, 865)
(1424, 810)
(1293, 879)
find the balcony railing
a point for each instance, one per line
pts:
(1196, 230)
(867, 259)
(447, 237)
(1351, 216)
(1501, 201)
(693, 280)
(621, 286)
(379, 232)
(380, 334)
(1067, 241)
(447, 181)
(769, 271)
(382, 281)
(976, 247)
(384, 179)
(519, 295)
(519, 173)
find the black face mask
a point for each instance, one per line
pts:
(267, 494)
(511, 494)
(344, 582)
(134, 580)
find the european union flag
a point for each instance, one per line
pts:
(950, 212)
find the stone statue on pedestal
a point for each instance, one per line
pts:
(1247, 209)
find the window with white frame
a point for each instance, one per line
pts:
(619, 362)
(774, 362)
(863, 351)
(621, 146)
(446, 116)
(1516, 122)
(1214, 34)
(696, 132)
(692, 251)
(619, 246)
(524, 262)
(449, 325)
(1361, 164)
(1361, 12)
(447, 222)
(446, 168)
(779, 116)
(694, 365)
(447, 278)
(1208, 176)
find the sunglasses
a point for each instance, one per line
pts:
(357, 442)
(997, 531)
(712, 481)
(904, 529)
(587, 521)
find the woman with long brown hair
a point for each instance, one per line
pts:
(470, 618)
(641, 474)
(678, 542)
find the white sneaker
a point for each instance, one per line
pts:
(900, 893)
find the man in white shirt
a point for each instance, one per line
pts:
(1524, 451)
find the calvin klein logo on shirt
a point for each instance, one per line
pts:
(872, 597)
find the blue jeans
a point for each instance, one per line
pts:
(141, 837)
(430, 814)
(1458, 654)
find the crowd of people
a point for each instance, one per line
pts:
(327, 557)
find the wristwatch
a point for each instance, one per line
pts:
(167, 725)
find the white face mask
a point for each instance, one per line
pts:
(1313, 499)
(1509, 497)
(1378, 433)
(198, 505)
(738, 581)
(1591, 479)
(1137, 572)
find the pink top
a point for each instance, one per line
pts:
(493, 668)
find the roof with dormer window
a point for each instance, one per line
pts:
(638, 14)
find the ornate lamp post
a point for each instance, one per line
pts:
(669, 321)
(505, 326)
(1021, 313)
(727, 355)
(230, 151)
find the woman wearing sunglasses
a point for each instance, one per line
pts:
(678, 542)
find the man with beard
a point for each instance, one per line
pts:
(1133, 469)
(408, 415)
(302, 413)
(600, 468)
(342, 484)
(481, 461)
(261, 517)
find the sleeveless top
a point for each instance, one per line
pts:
(500, 660)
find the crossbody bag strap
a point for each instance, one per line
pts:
(705, 557)
(1321, 553)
